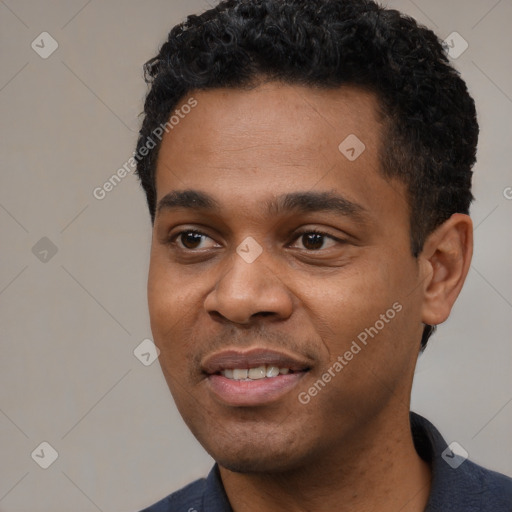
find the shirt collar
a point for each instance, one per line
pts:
(428, 442)
(214, 498)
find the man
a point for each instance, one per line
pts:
(307, 166)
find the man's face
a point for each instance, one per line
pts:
(257, 289)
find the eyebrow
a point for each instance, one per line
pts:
(295, 202)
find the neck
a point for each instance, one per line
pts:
(380, 470)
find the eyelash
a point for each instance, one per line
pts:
(300, 233)
(172, 239)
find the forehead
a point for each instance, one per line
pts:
(275, 136)
(308, 121)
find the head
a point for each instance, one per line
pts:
(340, 115)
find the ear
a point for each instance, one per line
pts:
(445, 258)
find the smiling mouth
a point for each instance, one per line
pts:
(253, 377)
(257, 373)
(253, 364)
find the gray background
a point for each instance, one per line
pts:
(70, 323)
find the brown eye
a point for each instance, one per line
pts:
(190, 239)
(315, 240)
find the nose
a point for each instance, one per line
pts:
(246, 290)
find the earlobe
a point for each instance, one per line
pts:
(446, 258)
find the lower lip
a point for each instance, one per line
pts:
(255, 392)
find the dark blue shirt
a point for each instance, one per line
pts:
(458, 485)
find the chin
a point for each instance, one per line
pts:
(252, 440)
(248, 452)
(262, 463)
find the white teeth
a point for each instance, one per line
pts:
(257, 373)
(272, 371)
(239, 374)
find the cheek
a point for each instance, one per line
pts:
(161, 292)
(174, 301)
(352, 298)
(168, 289)
(168, 305)
(368, 305)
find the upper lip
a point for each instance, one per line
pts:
(236, 358)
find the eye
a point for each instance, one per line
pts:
(189, 239)
(313, 240)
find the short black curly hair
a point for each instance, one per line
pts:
(431, 130)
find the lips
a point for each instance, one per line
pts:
(228, 376)
(231, 359)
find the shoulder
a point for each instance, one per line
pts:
(186, 499)
(458, 484)
(196, 496)
(483, 489)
